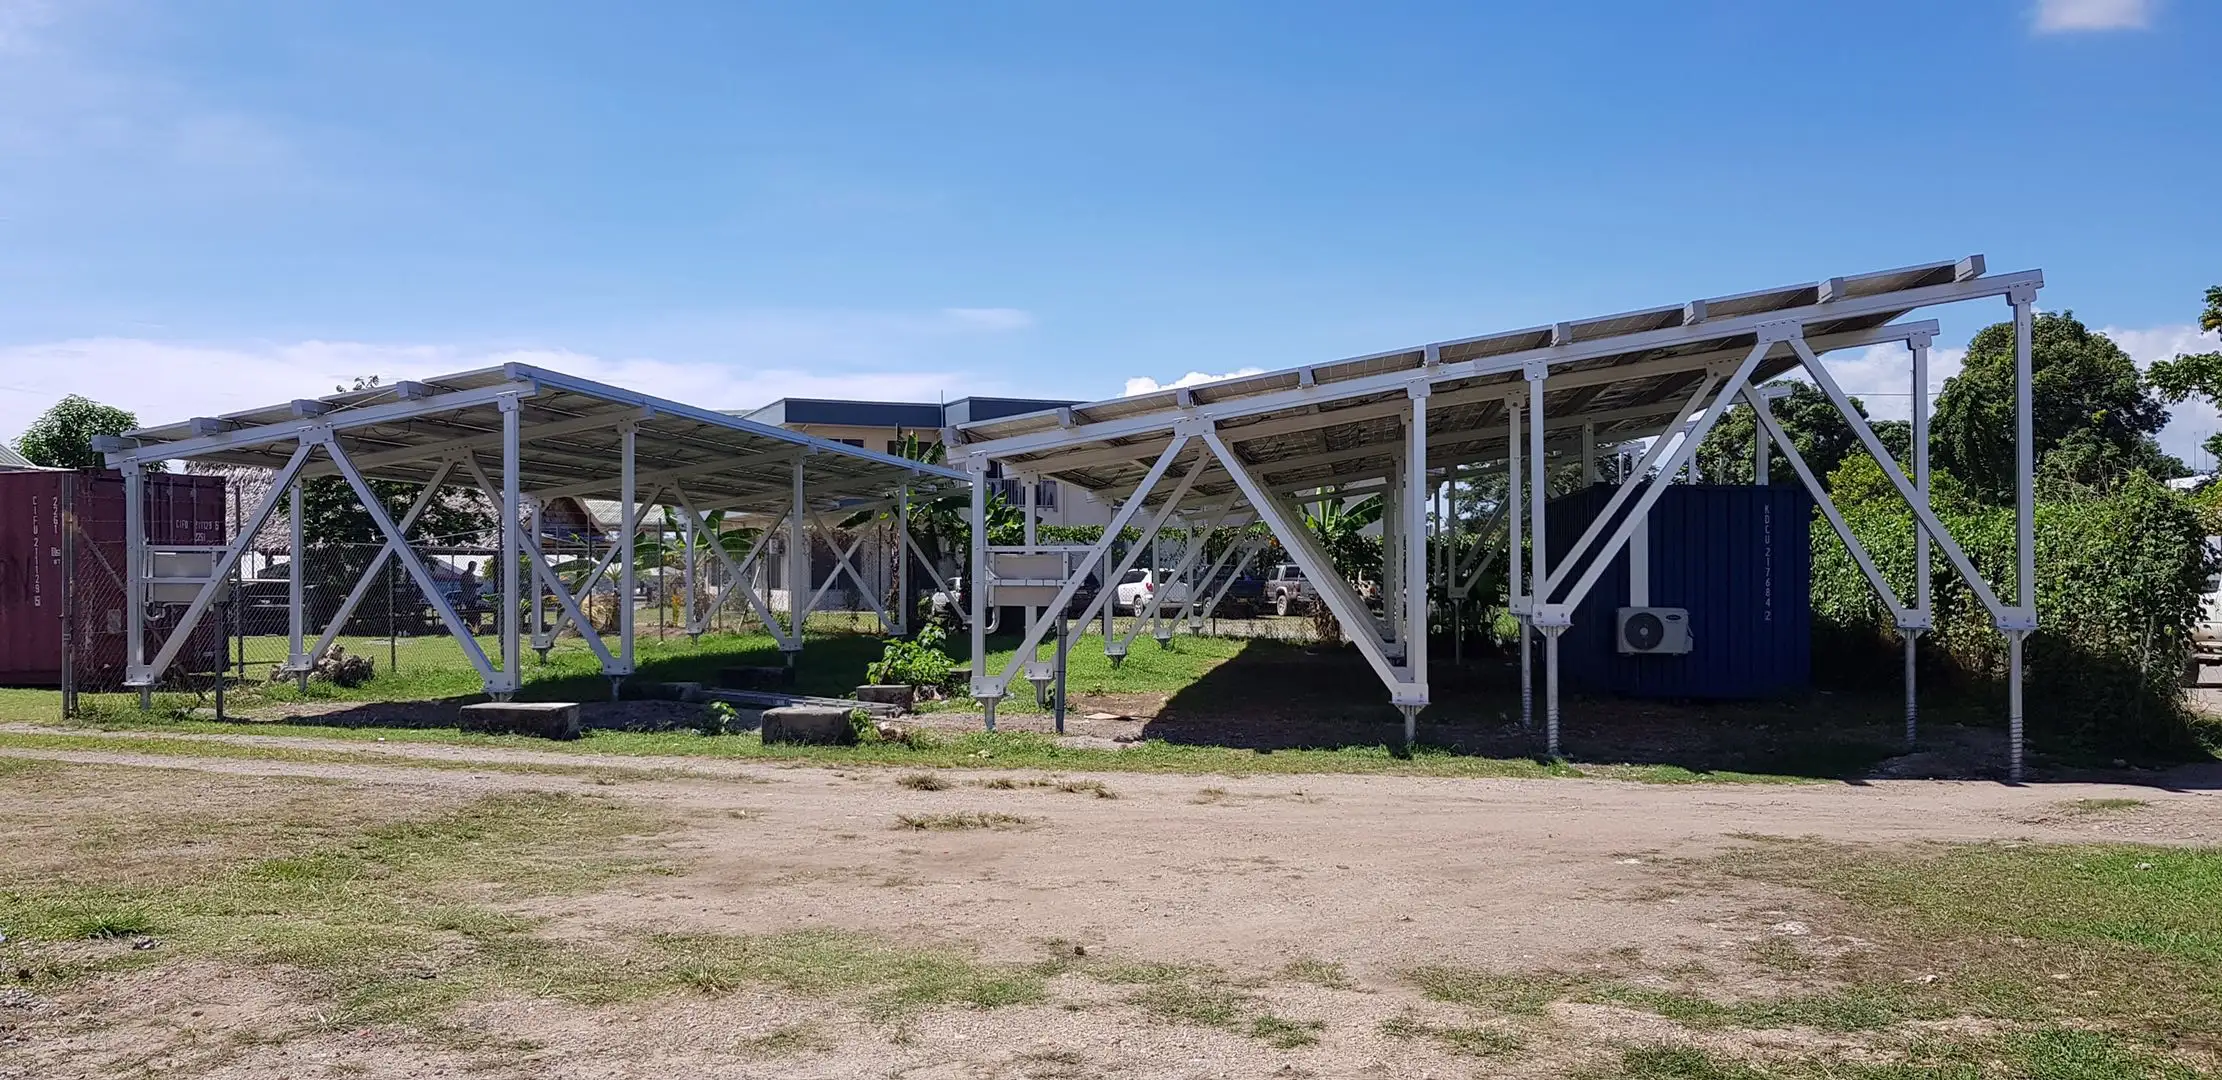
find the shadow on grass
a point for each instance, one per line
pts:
(1284, 696)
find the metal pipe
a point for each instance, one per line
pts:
(628, 526)
(1921, 585)
(135, 574)
(1514, 591)
(2013, 703)
(1414, 503)
(512, 544)
(902, 562)
(979, 591)
(541, 640)
(798, 567)
(1550, 689)
(295, 609)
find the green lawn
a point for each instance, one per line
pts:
(1216, 705)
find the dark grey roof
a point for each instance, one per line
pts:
(891, 414)
(919, 415)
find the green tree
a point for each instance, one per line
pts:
(2090, 403)
(1820, 433)
(331, 514)
(1340, 524)
(2188, 375)
(62, 437)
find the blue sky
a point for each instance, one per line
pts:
(212, 205)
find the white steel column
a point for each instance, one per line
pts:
(1414, 505)
(1539, 487)
(628, 525)
(512, 547)
(296, 621)
(135, 575)
(1919, 343)
(2023, 299)
(983, 689)
(1391, 627)
(902, 561)
(1761, 459)
(690, 569)
(1516, 597)
(543, 638)
(1030, 488)
(798, 568)
(1589, 454)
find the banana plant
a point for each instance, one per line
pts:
(669, 546)
(945, 524)
(1341, 526)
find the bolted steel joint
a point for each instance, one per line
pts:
(1780, 330)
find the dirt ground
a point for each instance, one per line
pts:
(1381, 875)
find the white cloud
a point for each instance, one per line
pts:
(1881, 377)
(2072, 16)
(2190, 422)
(988, 318)
(1143, 384)
(164, 382)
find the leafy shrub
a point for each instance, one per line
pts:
(717, 718)
(2120, 575)
(920, 661)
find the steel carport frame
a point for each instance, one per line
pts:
(547, 434)
(1405, 421)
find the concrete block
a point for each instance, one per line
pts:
(547, 719)
(756, 678)
(902, 696)
(817, 724)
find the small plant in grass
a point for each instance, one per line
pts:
(1682, 1063)
(1285, 1034)
(717, 718)
(953, 822)
(921, 662)
(101, 921)
(923, 782)
(1319, 973)
(2105, 806)
(1470, 1041)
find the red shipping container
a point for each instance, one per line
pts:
(36, 594)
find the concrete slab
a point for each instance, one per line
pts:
(816, 724)
(902, 696)
(546, 719)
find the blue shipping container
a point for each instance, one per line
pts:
(1740, 559)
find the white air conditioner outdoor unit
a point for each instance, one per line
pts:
(1663, 630)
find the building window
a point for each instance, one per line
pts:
(895, 447)
(858, 443)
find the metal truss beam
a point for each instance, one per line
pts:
(1303, 549)
(991, 688)
(1555, 355)
(311, 427)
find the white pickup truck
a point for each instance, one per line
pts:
(2206, 634)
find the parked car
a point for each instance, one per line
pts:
(2206, 634)
(1244, 598)
(1138, 586)
(1288, 592)
(946, 607)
